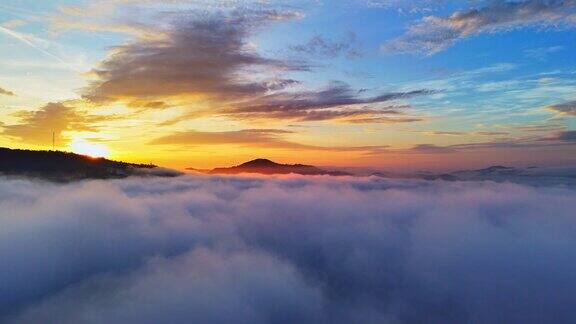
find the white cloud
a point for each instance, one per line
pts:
(434, 34)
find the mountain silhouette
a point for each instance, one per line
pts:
(265, 166)
(64, 166)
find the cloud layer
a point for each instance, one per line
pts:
(286, 250)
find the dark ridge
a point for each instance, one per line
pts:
(64, 166)
(259, 163)
(265, 166)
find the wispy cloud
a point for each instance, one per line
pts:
(434, 34)
(542, 53)
(462, 133)
(536, 128)
(431, 148)
(404, 6)
(319, 46)
(337, 101)
(264, 138)
(559, 139)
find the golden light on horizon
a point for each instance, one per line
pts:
(94, 150)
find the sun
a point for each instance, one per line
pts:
(90, 149)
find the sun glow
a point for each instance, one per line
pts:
(93, 150)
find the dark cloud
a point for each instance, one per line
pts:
(433, 34)
(37, 126)
(567, 108)
(286, 250)
(6, 92)
(320, 46)
(564, 136)
(198, 56)
(336, 101)
(206, 63)
(267, 138)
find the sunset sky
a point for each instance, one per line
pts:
(386, 84)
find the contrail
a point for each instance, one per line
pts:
(25, 39)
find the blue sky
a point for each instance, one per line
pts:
(474, 81)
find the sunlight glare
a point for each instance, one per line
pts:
(93, 150)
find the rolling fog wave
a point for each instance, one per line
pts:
(200, 249)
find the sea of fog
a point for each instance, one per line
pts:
(206, 249)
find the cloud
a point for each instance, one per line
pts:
(444, 133)
(452, 133)
(37, 126)
(405, 6)
(539, 127)
(564, 136)
(267, 138)
(337, 101)
(434, 34)
(199, 57)
(567, 108)
(6, 92)
(286, 250)
(491, 133)
(558, 139)
(206, 63)
(431, 148)
(117, 16)
(542, 53)
(320, 46)
(13, 23)
(41, 45)
(246, 136)
(525, 142)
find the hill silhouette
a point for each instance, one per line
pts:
(64, 166)
(265, 166)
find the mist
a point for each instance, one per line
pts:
(207, 249)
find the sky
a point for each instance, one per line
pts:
(387, 84)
